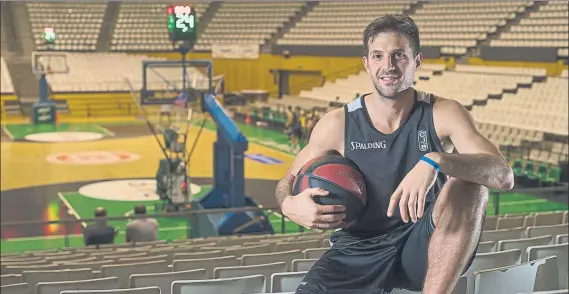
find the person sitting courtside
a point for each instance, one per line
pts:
(141, 229)
(99, 232)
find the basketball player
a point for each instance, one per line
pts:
(426, 168)
(294, 128)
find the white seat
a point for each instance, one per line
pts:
(559, 250)
(164, 280)
(483, 261)
(508, 279)
(248, 284)
(523, 244)
(145, 290)
(246, 270)
(286, 282)
(301, 265)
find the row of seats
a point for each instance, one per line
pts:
(261, 23)
(108, 72)
(85, 19)
(509, 240)
(546, 27)
(495, 95)
(456, 28)
(142, 26)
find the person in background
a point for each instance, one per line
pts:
(141, 229)
(99, 232)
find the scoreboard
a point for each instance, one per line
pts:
(182, 23)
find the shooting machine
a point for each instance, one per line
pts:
(173, 179)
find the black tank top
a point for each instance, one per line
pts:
(385, 159)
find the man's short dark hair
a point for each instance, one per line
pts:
(401, 24)
(139, 209)
(100, 212)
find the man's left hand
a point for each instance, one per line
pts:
(412, 191)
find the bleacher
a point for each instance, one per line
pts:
(277, 263)
(546, 27)
(247, 23)
(315, 28)
(106, 72)
(77, 24)
(141, 27)
(344, 90)
(459, 27)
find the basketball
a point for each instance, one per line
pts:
(340, 177)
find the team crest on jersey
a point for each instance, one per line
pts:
(423, 140)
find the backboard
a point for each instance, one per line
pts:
(49, 62)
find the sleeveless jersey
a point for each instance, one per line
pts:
(385, 159)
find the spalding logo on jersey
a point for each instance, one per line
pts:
(423, 141)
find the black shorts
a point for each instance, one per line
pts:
(397, 260)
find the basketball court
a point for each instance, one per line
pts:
(67, 170)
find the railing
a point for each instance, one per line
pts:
(70, 229)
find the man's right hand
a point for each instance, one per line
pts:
(304, 211)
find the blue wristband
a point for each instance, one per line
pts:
(431, 162)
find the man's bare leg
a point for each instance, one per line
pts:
(458, 215)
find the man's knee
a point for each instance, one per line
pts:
(463, 201)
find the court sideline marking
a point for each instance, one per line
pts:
(70, 208)
(8, 133)
(105, 130)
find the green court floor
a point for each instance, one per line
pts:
(20, 131)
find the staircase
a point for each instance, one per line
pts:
(414, 7)
(10, 42)
(289, 25)
(25, 82)
(108, 27)
(506, 28)
(22, 27)
(207, 16)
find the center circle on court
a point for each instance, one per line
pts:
(92, 157)
(126, 190)
(58, 137)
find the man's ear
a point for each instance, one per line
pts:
(419, 60)
(364, 61)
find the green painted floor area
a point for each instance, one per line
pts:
(20, 131)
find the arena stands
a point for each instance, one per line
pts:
(77, 24)
(512, 241)
(316, 29)
(546, 27)
(140, 26)
(458, 27)
(106, 72)
(248, 23)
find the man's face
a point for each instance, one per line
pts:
(391, 63)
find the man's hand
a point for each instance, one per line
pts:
(412, 191)
(304, 211)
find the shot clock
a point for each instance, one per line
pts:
(182, 23)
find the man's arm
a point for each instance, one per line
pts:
(327, 135)
(478, 160)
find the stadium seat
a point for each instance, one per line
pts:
(523, 244)
(164, 280)
(246, 284)
(558, 250)
(509, 279)
(286, 282)
(240, 271)
(484, 261)
(145, 290)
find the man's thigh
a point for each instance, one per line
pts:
(353, 267)
(412, 268)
